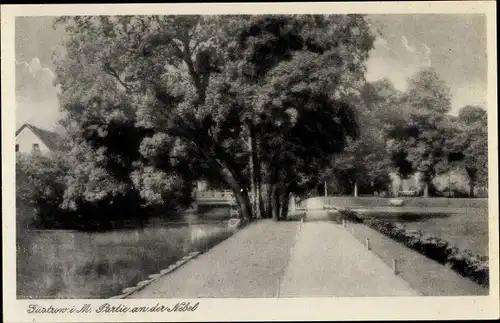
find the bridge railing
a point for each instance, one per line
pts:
(224, 195)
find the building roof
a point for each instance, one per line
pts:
(51, 139)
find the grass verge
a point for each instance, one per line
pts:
(427, 276)
(463, 262)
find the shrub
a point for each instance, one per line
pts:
(51, 195)
(465, 262)
(40, 185)
(350, 216)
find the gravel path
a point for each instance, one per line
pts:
(248, 264)
(282, 259)
(328, 261)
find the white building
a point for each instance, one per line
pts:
(33, 139)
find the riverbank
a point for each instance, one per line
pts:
(248, 264)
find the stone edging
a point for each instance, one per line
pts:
(129, 290)
(140, 285)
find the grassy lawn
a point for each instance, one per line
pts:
(467, 229)
(360, 202)
(68, 264)
(423, 274)
(463, 230)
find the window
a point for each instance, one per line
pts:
(36, 147)
(17, 148)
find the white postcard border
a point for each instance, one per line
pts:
(362, 308)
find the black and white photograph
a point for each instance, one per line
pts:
(248, 156)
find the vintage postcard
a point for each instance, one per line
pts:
(249, 162)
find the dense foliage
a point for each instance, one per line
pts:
(155, 102)
(267, 106)
(469, 145)
(40, 186)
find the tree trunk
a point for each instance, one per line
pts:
(356, 188)
(253, 189)
(257, 174)
(260, 206)
(260, 202)
(275, 203)
(241, 197)
(472, 181)
(278, 204)
(285, 202)
(272, 204)
(243, 203)
(293, 203)
(426, 189)
(326, 190)
(266, 201)
(269, 203)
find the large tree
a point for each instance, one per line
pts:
(419, 136)
(365, 160)
(468, 145)
(211, 94)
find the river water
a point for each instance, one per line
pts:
(73, 264)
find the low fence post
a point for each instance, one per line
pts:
(343, 223)
(394, 267)
(367, 244)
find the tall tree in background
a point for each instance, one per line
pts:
(383, 103)
(420, 135)
(365, 162)
(468, 145)
(155, 102)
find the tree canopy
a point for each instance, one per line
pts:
(418, 137)
(154, 102)
(468, 145)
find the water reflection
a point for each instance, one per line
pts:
(70, 264)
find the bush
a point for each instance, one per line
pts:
(45, 184)
(350, 215)
(40, 186)
(465, 262)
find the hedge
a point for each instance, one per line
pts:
(346, 214)
(463, 261)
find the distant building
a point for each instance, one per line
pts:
(30, 138)
(410, 184)
(451, 183)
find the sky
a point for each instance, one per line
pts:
(454, 45)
